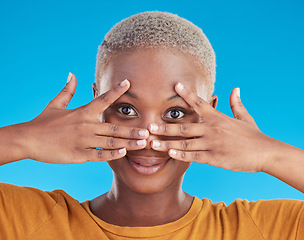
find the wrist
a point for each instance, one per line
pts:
(276, 155)
(21, 140)
(13, 143)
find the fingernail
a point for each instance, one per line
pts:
(124, 83)
(172, 152)
(141, 142)
(69, 77)
(122, 151)
(238, 92)
(180, 86)
(155, 144)
(153, 127)
(143, 133)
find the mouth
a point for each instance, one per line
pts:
(147, 165)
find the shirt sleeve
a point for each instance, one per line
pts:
(23, 210)
(278, 219)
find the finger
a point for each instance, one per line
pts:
(101, 103)
(193, 156)
(62, 100)
(109, 129)
(182, 130)
(184, 145)
(116, 143)
(105, 155)
(237, 107)
(200, 106)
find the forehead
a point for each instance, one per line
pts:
(153, 71)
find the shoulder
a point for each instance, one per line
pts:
(253, 206)
(272, 218)
(33, 198)
(28, 208)
(258, 208)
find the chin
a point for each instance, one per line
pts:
(169, 174)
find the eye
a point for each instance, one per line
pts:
(127, 110)
(175, 113)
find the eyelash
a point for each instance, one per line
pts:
(120, 107)
(181, 110)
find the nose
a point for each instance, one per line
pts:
(150, 139)
(145, 122)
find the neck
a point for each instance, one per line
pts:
(124, 207)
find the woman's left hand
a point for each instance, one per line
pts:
(231, 143)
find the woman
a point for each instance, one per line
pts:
(154, 124)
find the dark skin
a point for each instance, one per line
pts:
(136, 199)
(149, 166)
(199, 134)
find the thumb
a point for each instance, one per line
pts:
(237, 107)
(64, 97)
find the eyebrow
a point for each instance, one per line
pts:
(133, 95)
(173, 97)
(130, 94)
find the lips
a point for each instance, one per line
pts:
(147, 165)
(146, 161)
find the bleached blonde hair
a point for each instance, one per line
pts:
(157, 29)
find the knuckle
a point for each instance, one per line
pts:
(240, 104)
(183, 155)
(195, 155)
(117, 88)
(199, 101)
(184, 128)
(168, 145)
(219, 130)
(112, 153)
(185, 144)
(130, 143)
(164, 128)
(133, 132)
(102, 97)
(111, 142)
(113, 128)
(100, 153)
(64, 90)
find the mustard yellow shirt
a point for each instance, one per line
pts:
(31, 214)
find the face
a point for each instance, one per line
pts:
(151, 99)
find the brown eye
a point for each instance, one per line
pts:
(127, 110)
(174, 114)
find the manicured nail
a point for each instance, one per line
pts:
(238, 92)
(143, 133)
(122, 151)
(141, 142)
(180, 86)
(155, 144)
(69, 77)
(153, 127)
(124, 83)
(172, 152)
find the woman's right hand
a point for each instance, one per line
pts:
(60, 135)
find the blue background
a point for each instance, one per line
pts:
(259, 48)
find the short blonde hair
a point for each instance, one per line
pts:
(157, 29)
